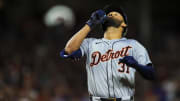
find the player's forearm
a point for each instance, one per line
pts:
(74, 43)
(147, 71)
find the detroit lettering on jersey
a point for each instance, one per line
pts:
(97, 57)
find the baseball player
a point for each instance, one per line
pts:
(111, 61)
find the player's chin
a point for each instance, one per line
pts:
(112, 22)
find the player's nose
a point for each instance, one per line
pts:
(109, 14)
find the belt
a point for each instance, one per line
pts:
(129, 98)
(111, 99)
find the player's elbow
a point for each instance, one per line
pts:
(151, 75)
(69, 49)
(151, 78)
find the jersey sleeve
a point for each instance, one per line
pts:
(141, 54)
(85, 46)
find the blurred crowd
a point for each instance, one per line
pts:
(31, 69)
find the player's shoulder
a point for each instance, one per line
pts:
(92, 40)
(134, 42)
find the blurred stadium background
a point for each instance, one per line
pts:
(30, 66)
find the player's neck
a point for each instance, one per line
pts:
(113, 33)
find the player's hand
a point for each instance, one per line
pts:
(97, 17)
(129, 61)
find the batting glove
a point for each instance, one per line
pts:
(97, 17)
(129, 61)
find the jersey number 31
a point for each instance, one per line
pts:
(123, 68)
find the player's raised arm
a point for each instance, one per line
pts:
(74, 43)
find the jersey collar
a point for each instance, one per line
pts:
(123, 38)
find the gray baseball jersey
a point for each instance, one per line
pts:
(106, 76)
